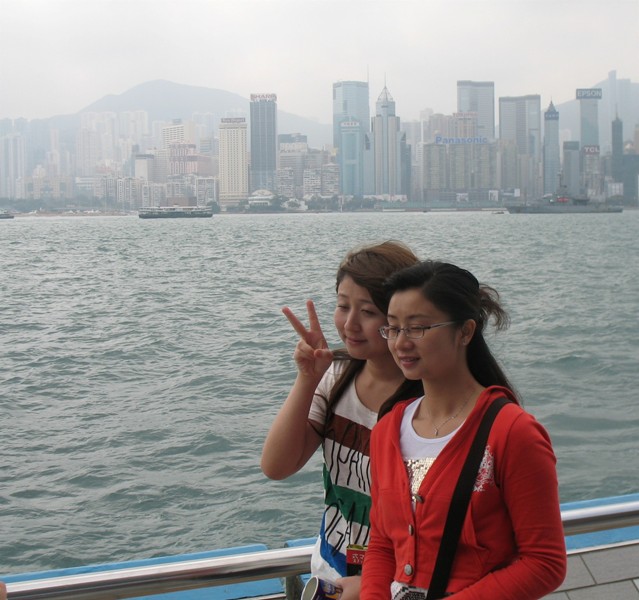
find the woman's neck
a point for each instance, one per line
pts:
(376, 382)
(441, 399)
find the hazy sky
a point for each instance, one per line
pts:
(58, 56)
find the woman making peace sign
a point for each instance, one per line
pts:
(335, 400)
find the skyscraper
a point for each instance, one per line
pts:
(233, 161)
(552, 161)
(12, 165)
(589, 116)
(617, 150)
(520, 143)
(591, 175)
(263, 142)
(351, 126)
(571, 181)
(478, 97)
(389, 143)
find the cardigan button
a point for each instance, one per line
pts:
(408, 569)
(418, 498)
(411, 530)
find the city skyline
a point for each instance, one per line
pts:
(76, 52)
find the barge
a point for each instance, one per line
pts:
(175, 212)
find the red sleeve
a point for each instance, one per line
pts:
(379, 560)
(528, 478)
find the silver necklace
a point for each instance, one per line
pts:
(463, 406)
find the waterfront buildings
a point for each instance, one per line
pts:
(126, 159)
(263, 142)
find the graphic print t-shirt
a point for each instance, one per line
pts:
(347, 500)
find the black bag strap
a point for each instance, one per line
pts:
(459, 503)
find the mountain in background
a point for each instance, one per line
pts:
(165, 101)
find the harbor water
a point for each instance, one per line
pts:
(142, 361)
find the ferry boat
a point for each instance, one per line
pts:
(5, 215)
(602, 541)
(175, 212)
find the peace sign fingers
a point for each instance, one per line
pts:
(313, 335)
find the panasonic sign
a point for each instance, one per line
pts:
(460, 140)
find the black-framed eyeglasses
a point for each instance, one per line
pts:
(413, 332)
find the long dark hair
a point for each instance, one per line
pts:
(369, 267)
(457, 293)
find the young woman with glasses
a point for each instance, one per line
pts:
(335, 401)
(511, 543)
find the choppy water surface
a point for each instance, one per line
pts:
(142, 362)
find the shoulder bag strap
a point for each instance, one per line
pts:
(459, 503)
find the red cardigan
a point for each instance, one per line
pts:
(512, 542)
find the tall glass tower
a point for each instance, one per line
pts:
(351, 126)
(263, 142)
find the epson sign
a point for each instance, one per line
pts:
(589, 93)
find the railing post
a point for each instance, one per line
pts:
(293, 587)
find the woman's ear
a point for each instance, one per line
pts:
(468, 330)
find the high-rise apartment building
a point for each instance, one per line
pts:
(351, 126)
(233, 159)
(520, 143)
(478, 97)
(263, 142)
(552, 159)
(389, 144)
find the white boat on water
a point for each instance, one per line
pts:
(602, 540)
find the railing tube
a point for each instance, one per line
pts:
(231, 569)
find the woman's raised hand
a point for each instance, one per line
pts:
(311, 355)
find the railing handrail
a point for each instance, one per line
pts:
(232, 569)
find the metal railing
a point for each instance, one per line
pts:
(286, 563)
